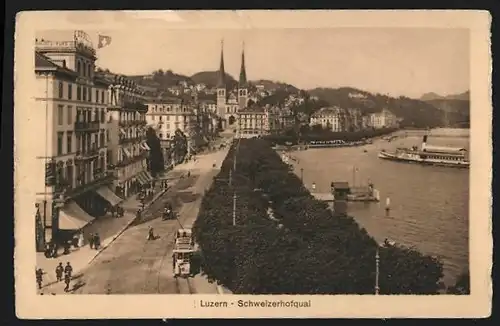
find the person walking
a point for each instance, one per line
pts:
(97, 241)
(59, 272)
(39, 277)
(67, 281)
(80, 240)
(91, 240)
(68, 269)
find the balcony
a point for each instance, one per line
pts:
(98, 180)
(128, 161)
(84, 126)
(126, 140)
(88, 154)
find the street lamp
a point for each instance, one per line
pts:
(377, 263)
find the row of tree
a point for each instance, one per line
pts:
(316, 133)
(305, 248)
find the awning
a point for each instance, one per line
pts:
(73, 217)
(142, 178)
(127, 153)
(110, 196)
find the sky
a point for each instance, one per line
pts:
(396, 61)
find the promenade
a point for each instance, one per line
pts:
(133, 265)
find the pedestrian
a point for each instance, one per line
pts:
(138, 214)
(91, 240)
(39, 277)
(97, 241)
(68, 269)
(80, 240)
(59, 272)
(151, 235)
(67, 280)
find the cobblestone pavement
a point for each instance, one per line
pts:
(133, 265)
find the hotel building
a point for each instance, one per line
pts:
(127, 150)
(70, 104)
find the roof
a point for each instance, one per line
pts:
(43, 63)
(340, 185)
(252, 109)
(328, 110)
(443, 148)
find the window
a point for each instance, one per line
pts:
(108, 157)
(70, 114)
(97, 96)
(60, 136)
(84, 91)
(107, 135)
(88, 70)
(168, 118)
(78, 67)
(89, 94)
(84, 69)
(160, 136)
(69, 142)
(102, 96)
(78, 92)
(101, 140)
(70, 91)
(103, 115)
(69, 175)
(60, 109)
(61, 90)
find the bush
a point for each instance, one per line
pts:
(315, 252)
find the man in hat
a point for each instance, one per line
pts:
(67, 281)
(68, 269)
(39, 277)
(59, 272)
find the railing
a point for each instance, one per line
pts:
(87, 154)
(131, 160)
(135, 106)
(98, 179)
(125, 140)
(81, 126)
(128, 123)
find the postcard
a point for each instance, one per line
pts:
(255, 164)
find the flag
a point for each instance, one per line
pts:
(104, 41)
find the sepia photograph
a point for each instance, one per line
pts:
(228, 154)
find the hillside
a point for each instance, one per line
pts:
(210, 78)
(162, 79)
(274, 85)
(413, 112)
(456, 112)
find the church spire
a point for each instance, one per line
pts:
(222, 73)
(243, 73)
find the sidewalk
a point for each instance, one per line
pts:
(109, 228)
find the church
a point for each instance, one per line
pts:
(230, 101)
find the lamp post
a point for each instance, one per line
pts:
(377, 262)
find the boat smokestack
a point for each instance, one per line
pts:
(424, 142)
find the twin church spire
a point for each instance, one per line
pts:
(222, 73)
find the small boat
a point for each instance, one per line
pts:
(389, 243)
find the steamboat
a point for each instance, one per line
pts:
(429, 155)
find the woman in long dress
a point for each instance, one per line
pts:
(80, 240)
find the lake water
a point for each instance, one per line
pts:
(429, 205)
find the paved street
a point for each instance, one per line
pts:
(133, 265)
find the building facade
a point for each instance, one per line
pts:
(330, 118)
(230, 101)
(71, 106)
(254, 121)
(383, 119)
(128, 151)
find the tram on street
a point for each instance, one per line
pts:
(183, 252)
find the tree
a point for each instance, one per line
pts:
(462, 284)
(156, 163)
(250, 102)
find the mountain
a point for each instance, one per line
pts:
(465, 96)
(210, 78)
(415, 113)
